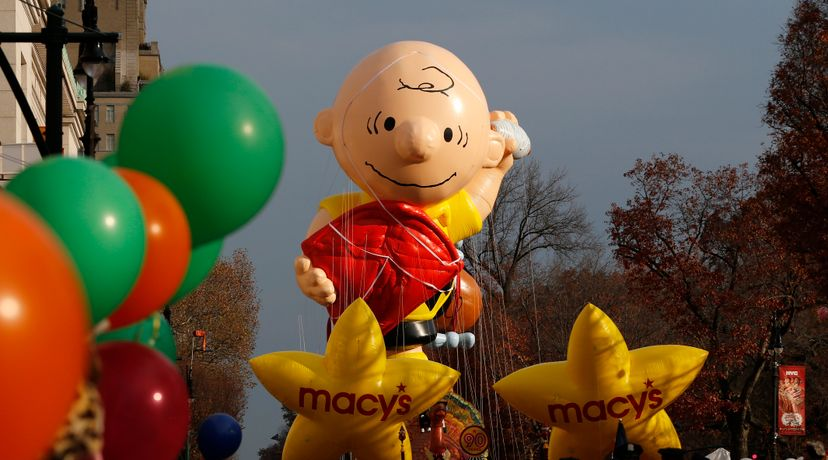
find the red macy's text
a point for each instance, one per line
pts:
(349, 403)
(595, 411)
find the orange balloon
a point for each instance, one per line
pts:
(44, 332)
(167, 253)
(461, 315)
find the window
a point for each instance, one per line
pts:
(110, 143)
(97, 114)
(110, 114)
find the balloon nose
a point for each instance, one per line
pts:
(416, 139)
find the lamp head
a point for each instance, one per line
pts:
(92, 59)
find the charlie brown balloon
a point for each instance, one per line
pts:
(411, 128)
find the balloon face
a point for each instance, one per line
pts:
(98, 219)
(167, 253)
(146, 410)
(219, 436)
(154, 332)
(411, 123)
(202, 260)
(222, 149)
(42, 306)
(602, 382)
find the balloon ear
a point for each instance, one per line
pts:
(497, 148)
(323, 127)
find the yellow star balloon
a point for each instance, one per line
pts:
(352, 399)
(602, 382)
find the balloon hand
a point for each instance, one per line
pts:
(517, 141)
(313, 282)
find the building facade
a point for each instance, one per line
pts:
(28, 61)
(134, 62)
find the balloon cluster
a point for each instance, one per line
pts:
(86, 243)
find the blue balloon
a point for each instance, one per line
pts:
(219, 436)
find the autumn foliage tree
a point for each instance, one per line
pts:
(794, 178)
(226, 307)
(794, 170)
(698, 248)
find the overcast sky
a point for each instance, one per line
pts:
(596, 84)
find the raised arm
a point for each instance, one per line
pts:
(508, 141)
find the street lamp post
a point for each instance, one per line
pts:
(91, 60)
(55, 36)
(776, 347)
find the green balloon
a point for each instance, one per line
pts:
(111, 160)
(97, 217)
(154, 332)
(202, 260)
(213, 138)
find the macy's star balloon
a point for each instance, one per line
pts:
(352, 398)
(602, 381)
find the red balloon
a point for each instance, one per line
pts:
(462, 313)
(146, 410)
(44, 332)
(167, 253)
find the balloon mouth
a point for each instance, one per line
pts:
(413, 184)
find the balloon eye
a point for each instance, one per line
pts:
(389, 123)
(447, 134)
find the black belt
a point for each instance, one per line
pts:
(419, 332)
(411, 333)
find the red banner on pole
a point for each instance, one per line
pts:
(790, 420)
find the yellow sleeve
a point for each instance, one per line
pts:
(457, 216)
(336, 205)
